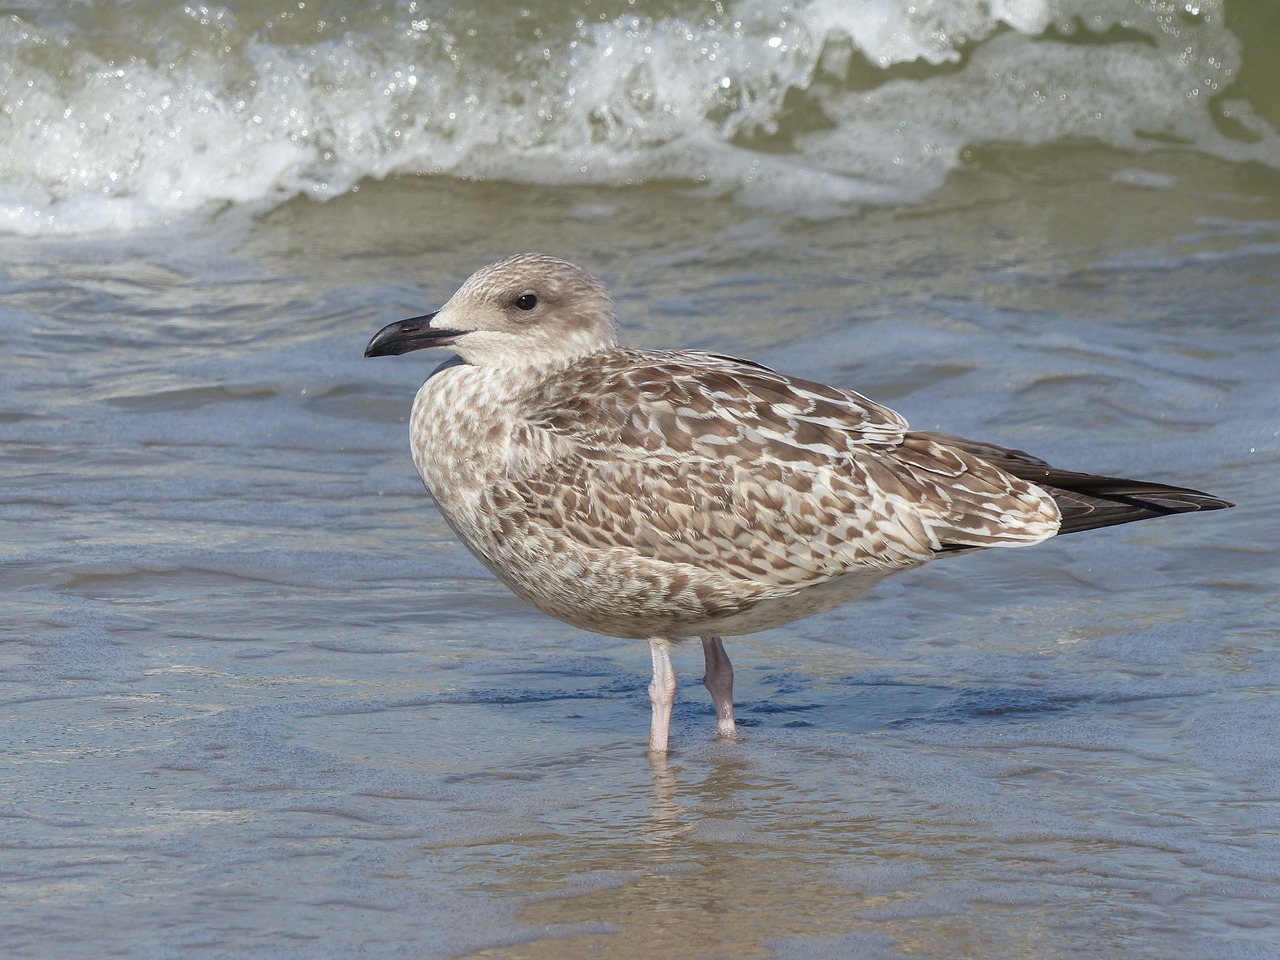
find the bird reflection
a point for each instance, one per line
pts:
(668, 823)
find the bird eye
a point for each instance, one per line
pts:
(526, 301)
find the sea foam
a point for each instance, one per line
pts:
(109, 123)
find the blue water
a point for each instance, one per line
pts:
(260, 703)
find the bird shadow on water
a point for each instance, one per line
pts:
(850, 704)
(614, 698)
(859, 704)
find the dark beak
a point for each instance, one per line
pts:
(416, 333)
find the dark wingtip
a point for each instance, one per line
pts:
(1091, 502)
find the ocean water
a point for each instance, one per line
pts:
(118, 114)
(258, 702)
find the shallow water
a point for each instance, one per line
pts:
(261, 703)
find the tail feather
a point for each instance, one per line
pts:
(1086, 501)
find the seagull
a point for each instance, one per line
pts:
(671, 494)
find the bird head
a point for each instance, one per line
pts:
(522, 311)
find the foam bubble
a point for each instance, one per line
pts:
(111, 125)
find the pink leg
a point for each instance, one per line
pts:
(719, 681)
(662, 694)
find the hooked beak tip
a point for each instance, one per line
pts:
(403, 336)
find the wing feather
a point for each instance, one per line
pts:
(691, 458)
(1086, 501)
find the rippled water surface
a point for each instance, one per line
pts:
(260, 703)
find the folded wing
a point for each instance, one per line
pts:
(697, 459)
(1086, 501)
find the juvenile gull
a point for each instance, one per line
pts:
(672, 494)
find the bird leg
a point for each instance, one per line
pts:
(662, 694)
(719, 682)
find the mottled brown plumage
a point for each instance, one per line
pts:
(676, 494)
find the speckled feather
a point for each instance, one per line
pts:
(641, 493)
(677, 494)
